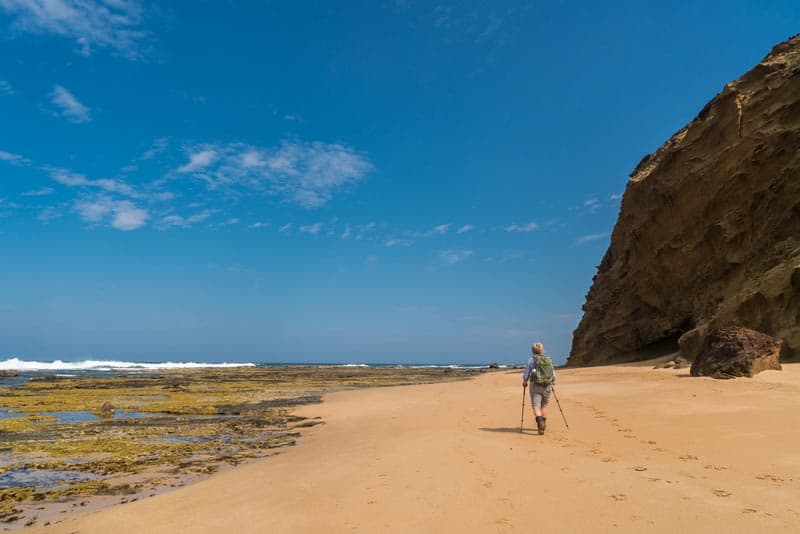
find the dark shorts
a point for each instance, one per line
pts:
(540, 395)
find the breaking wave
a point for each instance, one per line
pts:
(15, 364)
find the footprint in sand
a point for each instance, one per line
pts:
(619, 497)
(687, 457)
(640, 468)
(505, 501)
(503, 524)
(722, 493)
(771, 478)
(716, 467)
(749, 510)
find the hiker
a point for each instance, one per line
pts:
(542, 376)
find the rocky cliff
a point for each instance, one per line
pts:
(709, 229)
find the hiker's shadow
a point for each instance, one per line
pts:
(509, 430)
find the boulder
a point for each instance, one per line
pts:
(734, 351)
(680, 362)
(107, 409)
(691, 343)
(708, 233)
(7, 373)
(494, 365)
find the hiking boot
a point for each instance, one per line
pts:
(540, 424)
(544, 424)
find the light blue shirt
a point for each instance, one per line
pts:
(531, 368)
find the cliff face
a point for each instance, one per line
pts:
(709, 229)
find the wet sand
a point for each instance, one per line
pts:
(647, 450)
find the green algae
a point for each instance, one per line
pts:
(188, 423)
(11, 498)
(23, 424)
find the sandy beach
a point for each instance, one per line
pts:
(647, 450)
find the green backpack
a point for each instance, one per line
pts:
(543, 373)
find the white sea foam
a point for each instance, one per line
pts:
(16, 364)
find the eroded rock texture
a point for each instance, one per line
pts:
(709, 229)
(733, 351)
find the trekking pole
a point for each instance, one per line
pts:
(559, 408)
(522, 417)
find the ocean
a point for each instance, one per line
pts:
(112, 366)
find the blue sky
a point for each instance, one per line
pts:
(377, 181)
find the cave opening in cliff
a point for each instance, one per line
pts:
(661, 347)
(668, 344)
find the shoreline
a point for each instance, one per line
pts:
(647, 450)
(85, 442)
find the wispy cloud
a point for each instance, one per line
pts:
(102, 200)
(311, 228)
(44, 191)
(48, 214)
(71, 179)
(522, 228)
(398, 243)
(91, 24)
(119, 214)
(307, 174)
(7, 207)
(285, 228)
(365, 230)
(199, 161)
(464, 229)
(158, 146)
(451, 257)
(593, 204)
(591, 237)
(69, 106)
(258, 224)
(184, 222)
(14, 159)
(615, 196)
(6, 88)
(162, 196)
(436, 230)
(95, 202)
